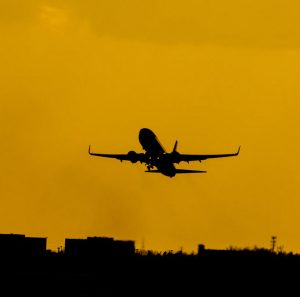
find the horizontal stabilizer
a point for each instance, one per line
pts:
(178, 171)
(189, 171)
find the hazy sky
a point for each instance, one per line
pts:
(211, 74)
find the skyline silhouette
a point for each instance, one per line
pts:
(102, 266)
(21, 245)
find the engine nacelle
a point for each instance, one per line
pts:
(132, 156)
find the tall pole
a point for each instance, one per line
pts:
(273, 243)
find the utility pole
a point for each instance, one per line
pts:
(273, 243)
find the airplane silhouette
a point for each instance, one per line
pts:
(156, 156)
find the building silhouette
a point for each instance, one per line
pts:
(99, 247)
(18, 245)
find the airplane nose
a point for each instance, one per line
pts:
(146, 133)
(146, 130)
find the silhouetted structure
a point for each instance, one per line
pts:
(99, 247)
(273, 243)
(18, 245)
(202, 251)
(93, 267)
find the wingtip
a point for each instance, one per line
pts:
(89, 149)
(238, 150)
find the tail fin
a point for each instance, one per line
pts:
(175, 147)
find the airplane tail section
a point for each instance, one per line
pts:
(175, 147)
(189, 171)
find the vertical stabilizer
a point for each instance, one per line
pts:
(175, 147)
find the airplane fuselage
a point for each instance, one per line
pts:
(155, 153)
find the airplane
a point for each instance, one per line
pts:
(155, 156)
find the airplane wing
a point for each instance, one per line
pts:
(188, 158)
(131, 156)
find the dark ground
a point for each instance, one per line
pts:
(227, 273)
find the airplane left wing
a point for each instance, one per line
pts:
(131, 156)
(188, 158)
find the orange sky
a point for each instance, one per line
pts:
(211, 74)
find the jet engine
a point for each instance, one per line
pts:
(133, 156)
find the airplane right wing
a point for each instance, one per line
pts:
(188, 158)
(131, 156)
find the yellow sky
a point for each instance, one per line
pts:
(211, 74)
